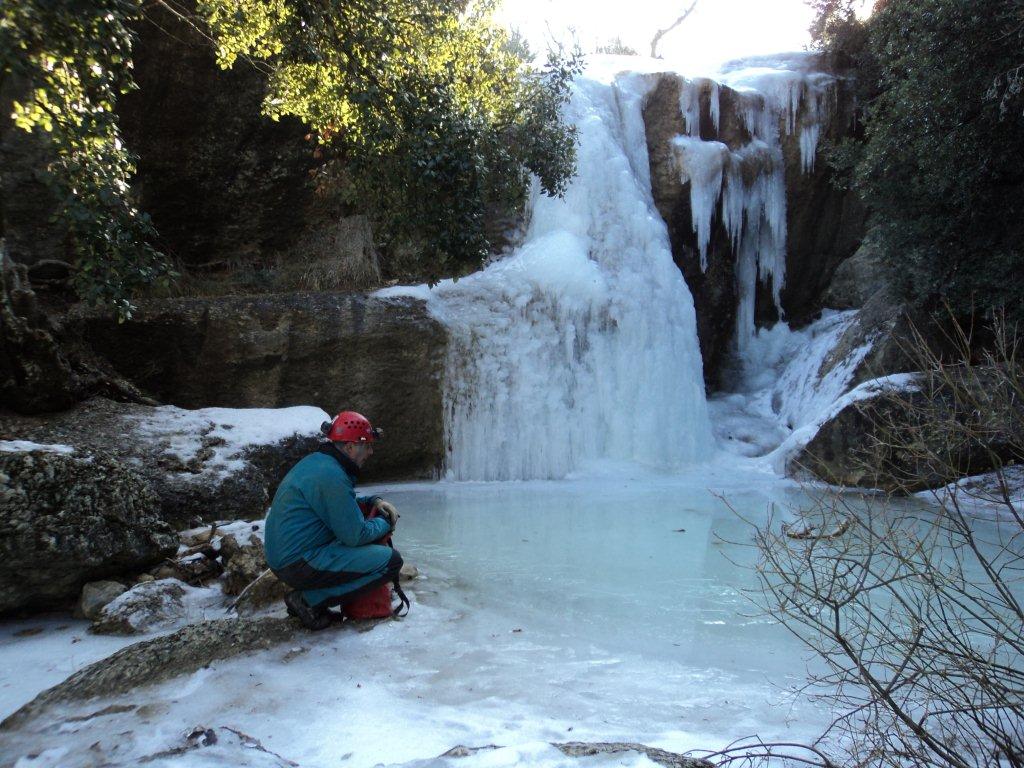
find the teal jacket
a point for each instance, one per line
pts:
(316, 505)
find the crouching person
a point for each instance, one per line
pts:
(317, 540)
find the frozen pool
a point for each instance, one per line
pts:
(608, 609)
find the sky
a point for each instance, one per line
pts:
(716, 31)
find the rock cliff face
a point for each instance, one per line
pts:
(823, 226)
(225, 185)
(381, 357)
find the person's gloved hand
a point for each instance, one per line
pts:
(387, 511)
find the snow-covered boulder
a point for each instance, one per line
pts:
(205, 464)
(95, 596)
(147, 606)
(67, 518)
(928, 431)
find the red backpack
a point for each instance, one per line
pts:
(376, 604)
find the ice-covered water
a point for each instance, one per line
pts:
(608, 610)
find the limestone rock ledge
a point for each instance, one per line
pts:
(383, 357)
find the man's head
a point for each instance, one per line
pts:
(353, 435)
(357, 452)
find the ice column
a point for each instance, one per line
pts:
(701, 164)
(580, 347)
(689, 103)
(754, 215)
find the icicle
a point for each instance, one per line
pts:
(701, 164)
(755, 217)
(690, 103)
(716, 106)
(689, 106)
(809, 146)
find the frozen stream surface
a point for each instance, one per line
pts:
(585, 609)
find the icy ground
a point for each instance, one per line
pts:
(606, 610)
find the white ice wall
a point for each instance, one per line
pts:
(581, 346)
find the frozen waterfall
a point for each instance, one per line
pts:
(747, 185)
(580, 346)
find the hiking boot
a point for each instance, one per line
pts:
(308, 616)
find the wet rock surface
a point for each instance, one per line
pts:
(66, 519)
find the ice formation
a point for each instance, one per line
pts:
(701, 164)
(581, 345)
(771, 95)
(787, 385)
(689, 103)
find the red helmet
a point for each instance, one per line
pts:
(350, 427)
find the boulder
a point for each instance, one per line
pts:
(264, 592)
(152, 661)
(859, 278)
(145, 607)
(210, 465)
(382, 357)
(243, 564)
(68, 518)
(911, 432)
(96, 595)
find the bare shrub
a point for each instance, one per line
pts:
(914, 609)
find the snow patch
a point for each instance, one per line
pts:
(997, 494)
(224, 433)
(18, 446)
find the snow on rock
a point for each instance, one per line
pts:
(215, 439)
(775, 88)
(146, 606)
(14, 446)
(996, 494)
(894, 383)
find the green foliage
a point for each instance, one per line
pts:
(73, 58)
(940, 163)
(428, 112)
